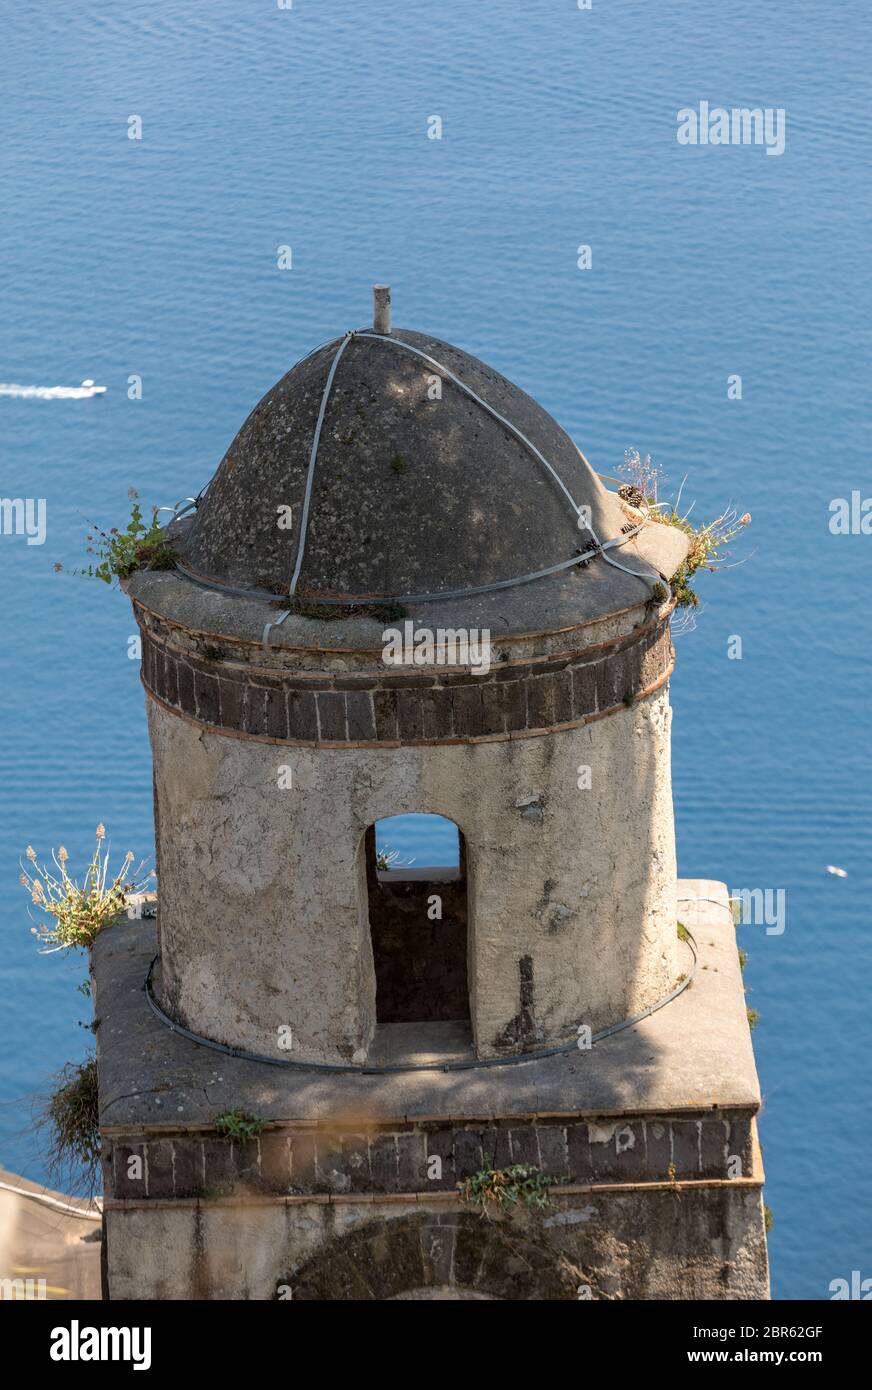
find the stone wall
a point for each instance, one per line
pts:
(648, 1144)
(412, 706)
(391, 1158)
(691, 1241)
(264, 906)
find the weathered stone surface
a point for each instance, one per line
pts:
(254, 707)
(303, 1177)
(206, 696)
(412, 1162)
(188, 1169)
(330, 1172)
(686, 1145)
(410, 715)
(693, 1054)
(552, 904)
(633, 1243)
(356, 1162)
(219, 1173)
(408, 706)
(410, 494)
(524, 1145)
(361, 720)
(740, 1143)
(302, 718)
(129, 1178)
(385, 707)
(658, 1146)
(437, 1247)
(468, 1154)
(389, 1159)
(331, 717)
(275, 1162)
(553, 1154)
(383, 1163)
(276, 713)
(159, 1166)
(469, 714)
(440, 1144)
(578, 1148)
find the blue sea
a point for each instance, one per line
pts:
(157, 258)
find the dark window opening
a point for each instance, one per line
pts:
(416, 884)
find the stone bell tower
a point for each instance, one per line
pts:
(403, 591)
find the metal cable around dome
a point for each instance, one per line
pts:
(375, 600)
(313, 458)
(407, 347)
(362, 1069)
(599, 547)
(575, 561)
(528, 444)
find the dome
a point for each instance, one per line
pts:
(389, 465)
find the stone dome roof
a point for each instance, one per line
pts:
(416, 487)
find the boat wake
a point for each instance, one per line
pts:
(52, 393)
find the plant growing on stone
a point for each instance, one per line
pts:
(78, 912)
(495, 1191)
(391, 859)
(332, 612)
(70, 1115)
(238, 1124)
(707, 543)
(138, 546)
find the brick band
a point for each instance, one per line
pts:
(388, 1159)
(384, 710)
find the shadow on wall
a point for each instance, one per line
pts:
(455, 1254)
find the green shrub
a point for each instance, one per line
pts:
(138, 546)
(496, 1190)
(238, 1124)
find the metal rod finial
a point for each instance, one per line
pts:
(381, 308)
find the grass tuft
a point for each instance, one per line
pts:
(238, 1124)
(70, 1117)
(708, 543)
(78, 912)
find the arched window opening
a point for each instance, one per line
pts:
(416, 884)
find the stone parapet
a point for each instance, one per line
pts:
(385, 1159)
